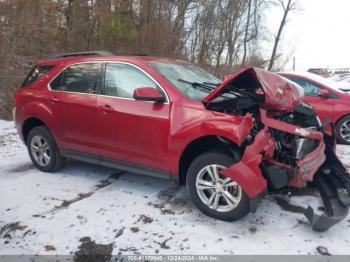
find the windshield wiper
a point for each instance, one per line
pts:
(204, 86)
(211, 84)
(208, 87)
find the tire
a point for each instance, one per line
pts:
(342, 129)
(43, 150)
(201, 198)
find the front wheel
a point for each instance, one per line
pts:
(215, 195)
(342, 130)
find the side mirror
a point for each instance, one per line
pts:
(148, 94)
(323, 93)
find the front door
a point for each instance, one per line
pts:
(134, 132)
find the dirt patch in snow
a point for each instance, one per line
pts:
(323, 251)
(119, 232)
(7, 230)
(22, 168)
(171, 202)
(89, 251)
(82, 196)
(135, 229)
(169, 193)
(49, 248)
(164, 243)
(145, 219)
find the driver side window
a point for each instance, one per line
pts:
(310, 89)
(121, 80)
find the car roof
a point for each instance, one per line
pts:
(298, 73)
(122, 58)
(336, 86)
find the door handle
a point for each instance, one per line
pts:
(107, 109)
(54, 100)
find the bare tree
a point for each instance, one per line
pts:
(287, 6)
(219, 35)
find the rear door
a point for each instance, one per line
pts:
(73, 102)
(131, 131)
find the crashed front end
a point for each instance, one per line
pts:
(288, 146)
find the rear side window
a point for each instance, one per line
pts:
(81, 78)
(36, 73)
(310, 89)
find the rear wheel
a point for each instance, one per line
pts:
(342, 130)
(43, 150)
(215, 195)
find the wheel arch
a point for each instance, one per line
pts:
(200, 145)
(337, 132)
(340, 118)
(29, 124)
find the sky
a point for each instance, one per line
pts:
(319, 34)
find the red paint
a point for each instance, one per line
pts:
(279, 93)
(247, 171)
(331, 108)
(308, 166)
(139, 132)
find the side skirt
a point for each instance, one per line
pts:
(128, 167)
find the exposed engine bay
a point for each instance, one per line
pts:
(293, 148)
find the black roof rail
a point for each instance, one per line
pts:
(131, 54)
(86, 53)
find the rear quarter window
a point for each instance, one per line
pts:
(79, 78)
(36, 73)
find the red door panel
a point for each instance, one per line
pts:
(77, 117)
(134, 131)
(74, 104)
(324, 107)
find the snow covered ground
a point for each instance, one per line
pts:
(60, 213)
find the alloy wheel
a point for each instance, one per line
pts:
(345, 131)
(40, 150)
(219, 193)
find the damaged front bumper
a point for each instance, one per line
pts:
(333, 182)
(321, 167)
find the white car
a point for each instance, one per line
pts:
(345, 79)
(337, 77)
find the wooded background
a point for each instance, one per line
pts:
(219, 35)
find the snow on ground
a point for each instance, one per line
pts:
(56, 213)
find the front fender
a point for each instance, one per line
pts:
(190, 124)
(247, 172)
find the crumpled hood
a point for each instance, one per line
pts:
(280, 93)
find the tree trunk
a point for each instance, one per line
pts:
(246, 34)
(279, 33)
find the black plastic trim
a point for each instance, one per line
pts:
(128, 167)
(254, 202)
(86, 53)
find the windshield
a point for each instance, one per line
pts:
(175, 73)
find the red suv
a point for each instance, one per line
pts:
(229, 142)
(329, 101)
